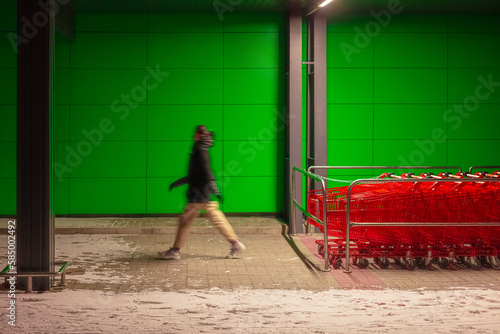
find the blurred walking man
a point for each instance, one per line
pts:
(202, 184)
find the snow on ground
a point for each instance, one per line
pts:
(257, 311)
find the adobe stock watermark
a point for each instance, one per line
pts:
(381, 19)
(11, 281)
(453, 116)
(30, 28)
(225, 6)
(121, 107)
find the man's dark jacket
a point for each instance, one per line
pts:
(200, 178)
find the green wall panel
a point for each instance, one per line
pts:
(248, 22)
(474, 23)
(161, 200)
(425, 152)
(8, 86)
(108, 86)
(8, 16)
(182, 23)
(8, 122)
(349, 121)
(410, 86)
(409, 121)
(466, 153)
(108, 159)
(171, 158)
(344, 50)
(122, 22)
(61, 193)
(253, 194)
(255, 158)
(254, 122)
(109, 50)
(62, 122)
(102, 123)
(178, 122)
(410, 23)
(350, 153)
(185, 50)
(472, 86)
(348, 23)
(481, 123)
(62, 86)
(62, 161)
(256, 86)
(252, 50)
(189, 86)
(8, 196)
(8, 56)
(350, 86)
(412, 50)
(480, 51)
(149, 130)
(62, 54)
(9, 162)
(108, 195)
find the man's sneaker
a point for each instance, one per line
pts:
(170, 255)
(237, 248)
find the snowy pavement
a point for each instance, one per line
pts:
(259, 311)
(117, 285)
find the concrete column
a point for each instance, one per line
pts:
(35, 143)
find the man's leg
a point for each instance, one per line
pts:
(219, 220)
(191, 212)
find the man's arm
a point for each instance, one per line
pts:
(178, 183)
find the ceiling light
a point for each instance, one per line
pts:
(320, 5)
(326, 2)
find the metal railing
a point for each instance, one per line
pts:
(485, 167)
(62, 272)
(294, 204)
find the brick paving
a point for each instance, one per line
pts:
(127, 262)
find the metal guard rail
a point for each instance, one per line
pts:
(295, 204)
(486, 167)
(62, 272)
(350, 224)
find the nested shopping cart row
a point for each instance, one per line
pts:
(414, 223)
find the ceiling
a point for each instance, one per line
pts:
(180, 6)
(276, 6)
(415, 6)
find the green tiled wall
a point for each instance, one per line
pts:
(135, 86)
(423, 90)
(8, 105)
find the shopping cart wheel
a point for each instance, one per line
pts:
(382, 262)
(398, 261)
(337, 264)
(363, 263)
(495, 264)
(411, 264)
(474, 263)
(321, 248)
(444, 263)
(485, 261)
